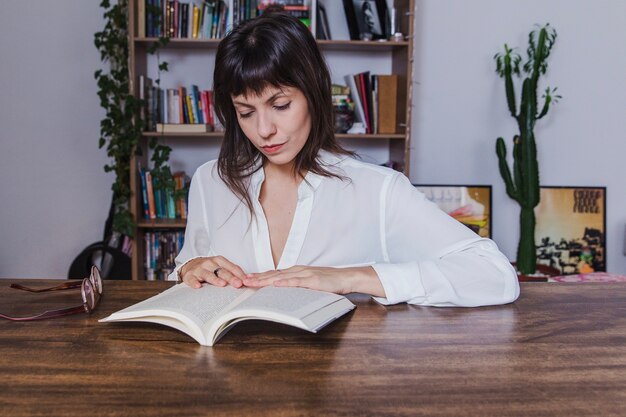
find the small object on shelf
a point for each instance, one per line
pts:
(366, 19)
(183, 128)
(344, 118)
(394, 28)
(357, 129)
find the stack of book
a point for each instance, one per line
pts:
(177, 19)
(297, 8)
(375, 99)
(159, 203)
(161, 249)
(244, 10)
(176, 109)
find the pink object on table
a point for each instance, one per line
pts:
(591, 277)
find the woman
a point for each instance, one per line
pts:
(285, 205)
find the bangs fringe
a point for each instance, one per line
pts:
(255, 72)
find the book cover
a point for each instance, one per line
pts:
(183, 128)
(387, 103)
(206, 314)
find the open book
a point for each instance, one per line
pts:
(206, 314)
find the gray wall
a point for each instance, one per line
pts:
(55, 195)
(460, 106)
(54, 192)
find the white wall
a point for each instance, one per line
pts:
(460, 106)
(55, 195)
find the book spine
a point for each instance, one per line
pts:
(387, 103)
(208, 25)
(181, 103)
(141, 18)
(209, 98)
(195, 100)
(216, 20)
(158, 207)
(150, 191)
(190, 110)
(171, 206)
(144, 194)
(176, 19)
(363, 95)
(205, 107)
(354, 93)
(194, 30)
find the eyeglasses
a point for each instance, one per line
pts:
(90, 288)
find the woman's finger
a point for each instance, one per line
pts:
(206, 275)
(232, 268)
(225, 275)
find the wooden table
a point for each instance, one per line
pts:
(560, 350)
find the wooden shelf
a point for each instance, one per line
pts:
(331, 45)
(378, 136)
(181, 43)
(397, 57)
(347, 45)
(184, 134)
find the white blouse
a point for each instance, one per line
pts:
(374, 216)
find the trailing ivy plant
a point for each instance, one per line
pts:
(122, 126)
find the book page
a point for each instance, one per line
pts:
(200, 305)
(294, 302)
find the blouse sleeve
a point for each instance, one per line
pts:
(197, 241)
(434, 260)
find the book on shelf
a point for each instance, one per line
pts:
(375, 101)
(192, 19)
(207, 313)
(161, 249)
(359, 113)
(387, 99)
(160, 202)
(297, 8)
(183, 128)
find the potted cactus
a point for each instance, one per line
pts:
(523, 185)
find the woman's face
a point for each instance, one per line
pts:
(277, 122)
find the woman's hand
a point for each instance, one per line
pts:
(337, 280)
(216, 270)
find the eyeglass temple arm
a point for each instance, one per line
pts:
(47, 314)
(64, 286)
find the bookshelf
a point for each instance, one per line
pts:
(343, 56)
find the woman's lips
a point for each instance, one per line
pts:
(270, 149)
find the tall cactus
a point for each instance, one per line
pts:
(523, 186)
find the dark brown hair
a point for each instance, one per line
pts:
(276, 50)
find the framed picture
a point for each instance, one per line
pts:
(570, 232)
(469, 204)
(366, 19)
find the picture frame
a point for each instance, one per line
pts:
(570, 231)
(471, 205)
(367, 19)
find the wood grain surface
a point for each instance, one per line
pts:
(560, 350)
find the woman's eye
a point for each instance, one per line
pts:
(245, 115)
(283, 107)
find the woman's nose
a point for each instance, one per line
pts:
(266, 126)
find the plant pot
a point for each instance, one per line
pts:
(542, 273)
